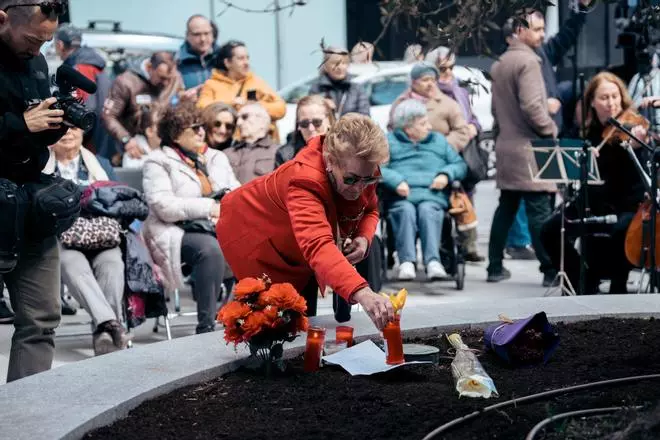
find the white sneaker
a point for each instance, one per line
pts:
(407, 271)
(434, 270)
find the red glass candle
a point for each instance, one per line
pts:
(314, 348)
(393, 342)
(344, 333)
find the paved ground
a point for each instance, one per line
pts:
(74, 340)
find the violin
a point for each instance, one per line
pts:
(629, 118)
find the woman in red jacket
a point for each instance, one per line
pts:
(308, 222)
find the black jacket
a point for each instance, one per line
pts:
(22, 154)
(554, 50)
(294, 144)
(347, 96)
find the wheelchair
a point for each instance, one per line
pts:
(452, 252)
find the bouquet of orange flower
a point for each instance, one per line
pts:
(264, 316)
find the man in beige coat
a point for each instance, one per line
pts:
(520, 107)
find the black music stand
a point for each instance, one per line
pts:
(559, 161)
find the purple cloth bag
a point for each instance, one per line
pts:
(501, 337)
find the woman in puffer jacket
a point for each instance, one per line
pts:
(183, 183)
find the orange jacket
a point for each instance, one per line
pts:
(221, 88)
(285, 225)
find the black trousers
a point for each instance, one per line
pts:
(606, 257)
(371, 269)
(538, 209)
(202, 253)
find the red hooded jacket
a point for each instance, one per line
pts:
(285, 225)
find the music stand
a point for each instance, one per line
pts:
(558, 161)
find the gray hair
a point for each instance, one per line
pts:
(412, 52)
(438, 54)
(407, 112)
(260, 113)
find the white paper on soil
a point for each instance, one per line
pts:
(364, 359)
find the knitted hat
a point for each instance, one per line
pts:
(423, 69)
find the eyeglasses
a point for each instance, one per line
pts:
(228, 125)
(354, 180)
(443, 69)
(315, 122)
(197, 127)
(47, 8)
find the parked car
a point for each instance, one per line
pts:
(120, 49)
(384, 82)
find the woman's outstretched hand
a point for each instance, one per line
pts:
(378, 308)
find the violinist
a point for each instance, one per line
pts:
(621, 194)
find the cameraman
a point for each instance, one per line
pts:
(27, 127)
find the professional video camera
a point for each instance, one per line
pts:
(639, 23)
(68, 80)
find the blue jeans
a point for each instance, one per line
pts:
(408, 220)
(519, 236)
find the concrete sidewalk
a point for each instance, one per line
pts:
(74, 341)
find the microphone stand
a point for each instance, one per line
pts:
(653, 273)
(653, 278)
(583, 206)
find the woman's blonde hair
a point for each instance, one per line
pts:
(356, 135)
(316, 100)
(590, 94)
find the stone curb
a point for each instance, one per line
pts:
(68, 401)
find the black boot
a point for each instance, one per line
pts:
(341, 307)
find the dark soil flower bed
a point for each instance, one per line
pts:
(411, 401)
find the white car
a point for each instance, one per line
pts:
(119, 48)
(384, 82)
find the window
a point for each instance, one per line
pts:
(384, 90)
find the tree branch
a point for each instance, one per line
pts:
(267, 10)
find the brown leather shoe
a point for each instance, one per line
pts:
(102, 342)
(119, 336)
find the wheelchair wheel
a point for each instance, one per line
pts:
(460, 276)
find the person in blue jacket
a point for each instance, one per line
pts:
(422, 165)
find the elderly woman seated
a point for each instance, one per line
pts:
(254, 155)
(183, 183)
(422, 165)
(95, 279)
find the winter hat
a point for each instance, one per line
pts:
(423, 69)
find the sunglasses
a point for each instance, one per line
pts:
(315, 122)
(443, 69)
(47, 8)
(354, 180)
(197, 127)
(228, 125)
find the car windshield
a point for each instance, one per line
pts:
(385, 89)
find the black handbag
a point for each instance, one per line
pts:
(54, 207)
(476, 159)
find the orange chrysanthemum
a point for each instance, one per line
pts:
(232, 312)
(249, 286)
(271, 314)
(255, 323)
(284, 297)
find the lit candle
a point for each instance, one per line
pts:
(344, 333)
(314, 348)
(393, 342)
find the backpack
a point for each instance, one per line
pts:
(105, 145)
